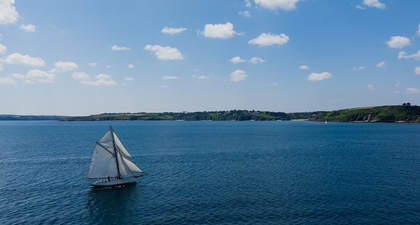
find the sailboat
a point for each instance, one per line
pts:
(110, 163)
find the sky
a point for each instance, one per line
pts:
(79, 58)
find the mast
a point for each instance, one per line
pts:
(115, 152)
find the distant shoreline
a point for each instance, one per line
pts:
(388, 114)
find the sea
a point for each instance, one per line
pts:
(208, 172)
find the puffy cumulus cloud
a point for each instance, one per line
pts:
(255, 60)
(319, 76)
(165, 53)
(236, 59)
(403, 55)
(172, 31)
(25, 60)
(398, 42)
(36, 76)
(29, 27)
(7, 81)
(381, 64)
(417, 70)
(8, 13)
(222, 31)
(3, 49)
(304, 67)
(61, 67)
(238, 75)
(269, 39)
(100, 79)
(129, 78)
(413, 90)
(130, 66)
(245, 13)
(372, 4)
(274, 4)
(118, 48)
(170, 78)
(371, 87)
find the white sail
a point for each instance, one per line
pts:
(110, 159)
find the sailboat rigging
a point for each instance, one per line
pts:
(110, 163)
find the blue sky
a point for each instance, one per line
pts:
(88, 57)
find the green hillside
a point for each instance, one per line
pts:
(237, 115)
(403, 113)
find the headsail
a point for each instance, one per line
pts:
(110, 159)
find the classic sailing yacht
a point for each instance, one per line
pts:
(110, 163)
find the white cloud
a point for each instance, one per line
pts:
(18, 76)
(93, 64)
(170, 78)
(223, 31)
(164, 86)
(24, 60)
(245, 13)
(247, 3)
(3, 49)
(100, 79)
(417, 70)
(130, 66)
(398, 42)
(1, 66)
(319, 76)
(255, 60)
(80, 76)
(269, 39)
(118, 48)
(272, 84)
(418, 31)
(39, 76)
(274, 4)
(165, 53)
(413, 90)
(236, 59)
(61, 67)
(403, 55)
(172, 31)
(356, 68)
(371, 87)
(8, 13)
(372, 4)
(304, 67)
(129, 78)
(29, 27)
(238, 75)
(381, 64)
(7, 81)
(203, 77)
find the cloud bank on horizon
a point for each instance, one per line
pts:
(215, 61)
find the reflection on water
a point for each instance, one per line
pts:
(112, 205)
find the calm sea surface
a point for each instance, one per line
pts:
(214, 173)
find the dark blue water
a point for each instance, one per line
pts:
(215, 173)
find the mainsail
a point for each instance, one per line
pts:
(111, 159)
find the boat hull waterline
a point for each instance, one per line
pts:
(116, 182)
